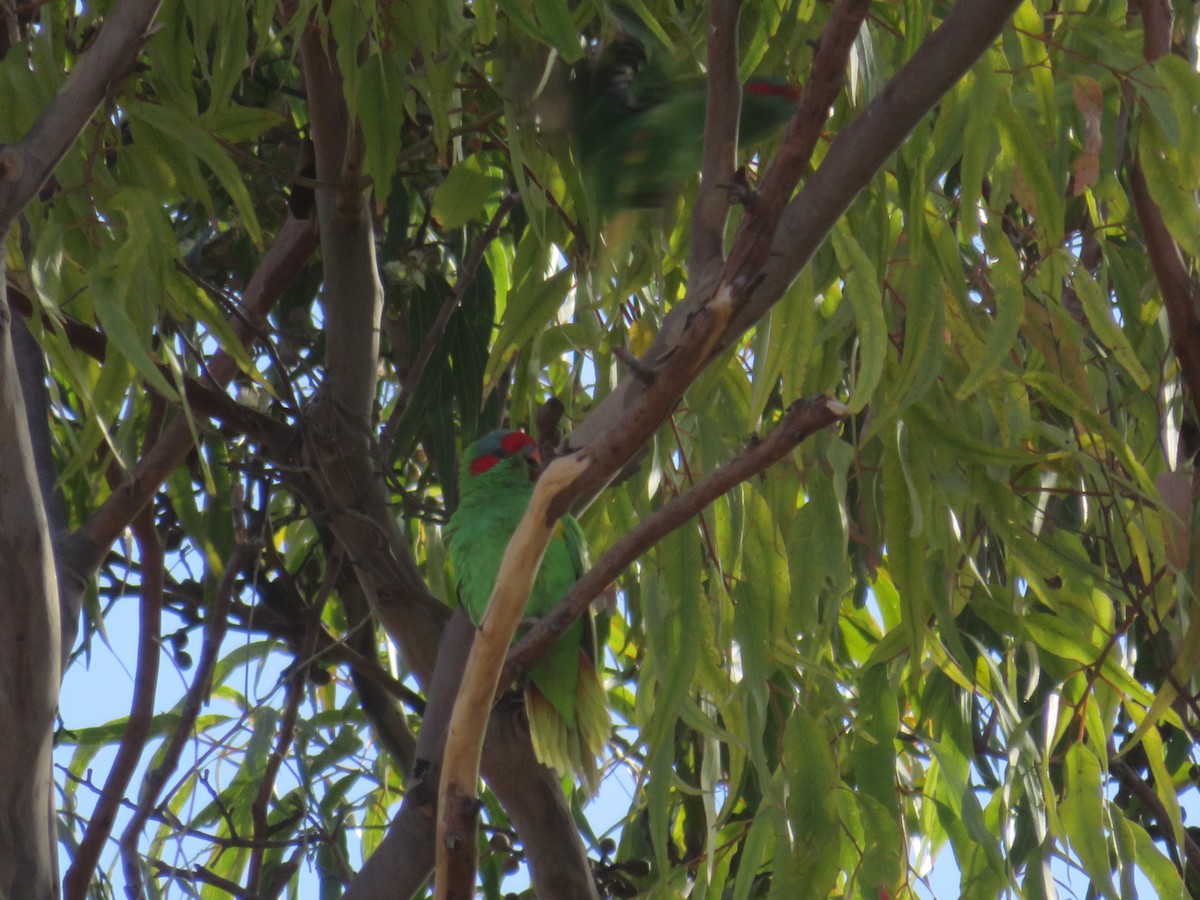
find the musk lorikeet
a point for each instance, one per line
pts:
(639, 131)
(635, 158)
(564, 698)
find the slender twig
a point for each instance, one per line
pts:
(753, 241)
(800, 421)
(300, 840)
(204, 875)
(326, 648)
(266, 790)
(215, 626)
(141, 713)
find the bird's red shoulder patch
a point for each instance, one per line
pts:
(481, 464)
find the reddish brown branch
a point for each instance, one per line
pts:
(79, 335)
(1179, 292)
(753, 241)
(802, 419)
(722, 109)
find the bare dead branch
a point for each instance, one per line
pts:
(458, 802)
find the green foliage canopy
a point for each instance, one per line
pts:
(964, 621)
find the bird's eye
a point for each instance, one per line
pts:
(535, 466)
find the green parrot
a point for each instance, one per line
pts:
(645, 156)
(564, 698)
(638, 132)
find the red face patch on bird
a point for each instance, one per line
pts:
(519, 442)
(512, 443)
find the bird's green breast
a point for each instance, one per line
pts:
(478, 534)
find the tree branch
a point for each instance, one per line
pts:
(801, 420)
(433, 337)
(295, 244)
(1179, 291)
(258, 810)
(722, 112)
(141, 712)
(753, 241)
(863, 147)
(343, 454)
(30, 655)
(1128, 776)
(215, 627)
(25, 166)
(390, 725)
(708, 319)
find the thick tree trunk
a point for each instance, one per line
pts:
(29, 650)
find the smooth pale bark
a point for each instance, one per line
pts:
(29, 650)
(30, 623)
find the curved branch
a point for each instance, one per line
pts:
(25, 166)
(215, 626)
(802, 420)
(141, 713)
(711, 317)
